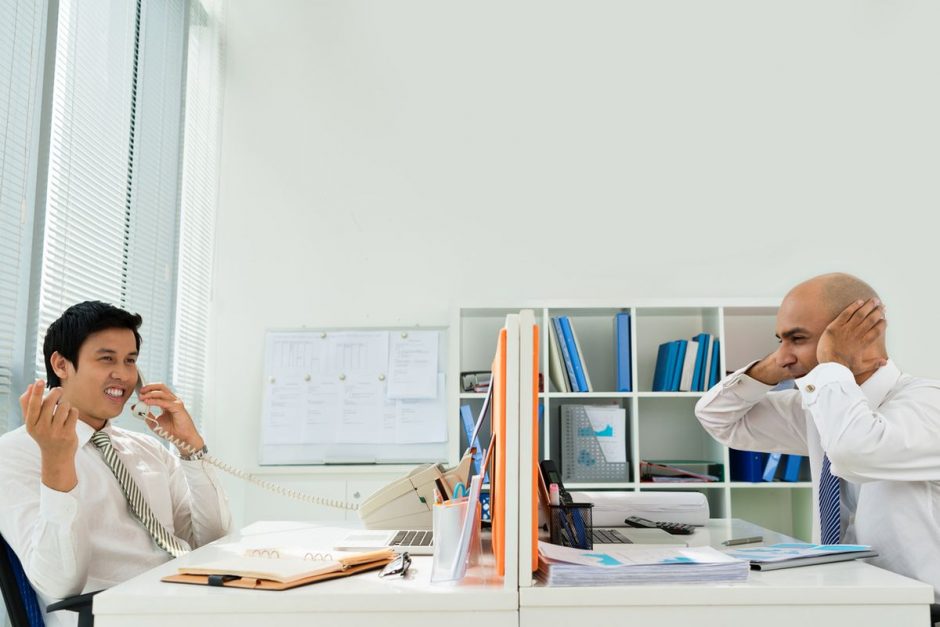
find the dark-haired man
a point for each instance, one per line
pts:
(77, 488)
(872, 433)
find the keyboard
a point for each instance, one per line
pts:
(412, 538)
(609, 536)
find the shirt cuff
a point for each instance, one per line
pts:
(822, 375)
(744, 386)
(58, 507)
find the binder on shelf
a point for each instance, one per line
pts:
(680, 350)
(747, 465)
(566, 355)
(770, 470)
(688, 366)
(715, 364)
(623, 352)
(556, 364)
(701, 357)
(662, 367)
(791, 472)
(577, 366)
(583, 362)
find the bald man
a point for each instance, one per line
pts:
(872, 433)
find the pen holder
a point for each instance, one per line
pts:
(571, 525)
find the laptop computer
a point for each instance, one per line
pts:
(421, 541)
(415, 541)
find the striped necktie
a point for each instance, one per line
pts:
(829, 516)
(138, 506)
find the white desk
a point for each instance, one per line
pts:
(844, 593)
(363, 600)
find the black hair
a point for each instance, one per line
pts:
(67, 334)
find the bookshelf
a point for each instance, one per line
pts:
(660, 425)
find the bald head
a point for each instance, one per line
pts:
(833, 292)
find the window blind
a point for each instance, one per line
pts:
(21, 63)
(198, 201)
(113, 185)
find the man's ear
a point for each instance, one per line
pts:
(59, 365)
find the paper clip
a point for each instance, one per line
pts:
(460, 490)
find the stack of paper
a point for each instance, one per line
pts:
(632, 564)
(799, 554)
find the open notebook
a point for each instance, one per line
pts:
(277, 573)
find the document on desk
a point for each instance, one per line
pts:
(636, 564)
(790, 555)
(413, 365)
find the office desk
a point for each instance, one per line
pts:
(363, 600)
(844, 593)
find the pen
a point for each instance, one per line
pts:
(736, 541)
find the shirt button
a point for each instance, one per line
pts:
(810, 388)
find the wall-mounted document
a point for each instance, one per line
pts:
(353, 396)
(413, 365)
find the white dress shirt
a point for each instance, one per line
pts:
(87, 539)
(883, 442)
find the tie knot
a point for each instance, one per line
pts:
(101, 440)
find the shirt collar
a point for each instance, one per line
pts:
(877, 386)
(85, 431)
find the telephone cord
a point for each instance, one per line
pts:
(241, 474)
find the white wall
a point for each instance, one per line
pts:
(386, 161)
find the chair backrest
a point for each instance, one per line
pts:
(18, 594)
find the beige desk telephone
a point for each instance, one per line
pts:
(404, 503)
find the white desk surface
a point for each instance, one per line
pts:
(846, 593)
(361, 600)
(851, 593)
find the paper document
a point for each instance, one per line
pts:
(413, 365)
(361, 419)
(788, 555)
(423, 420)
(632, 564)
(610, 429)
(357, 352)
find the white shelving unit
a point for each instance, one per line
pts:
(661, 425)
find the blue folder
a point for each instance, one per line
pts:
(681, 346)
(791, 472)
(563, 346)
(662, 365)
(770, 470)
(716, 364)
(701, 357)
(747, 465)
(573, 351)
(622, 346)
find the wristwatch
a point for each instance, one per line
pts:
(196, 455)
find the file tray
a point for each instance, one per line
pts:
(582, 458)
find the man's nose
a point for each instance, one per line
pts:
(785, 358)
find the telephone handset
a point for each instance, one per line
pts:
(142, 411)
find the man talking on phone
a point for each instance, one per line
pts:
(88, 504)
(872, 433)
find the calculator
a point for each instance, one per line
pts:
(676, 529)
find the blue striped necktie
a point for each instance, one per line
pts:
(830, 523)
(135, 500)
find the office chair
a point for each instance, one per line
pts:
(21, 600)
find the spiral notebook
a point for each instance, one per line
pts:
(273, 569)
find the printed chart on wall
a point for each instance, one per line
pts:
(354, 396)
